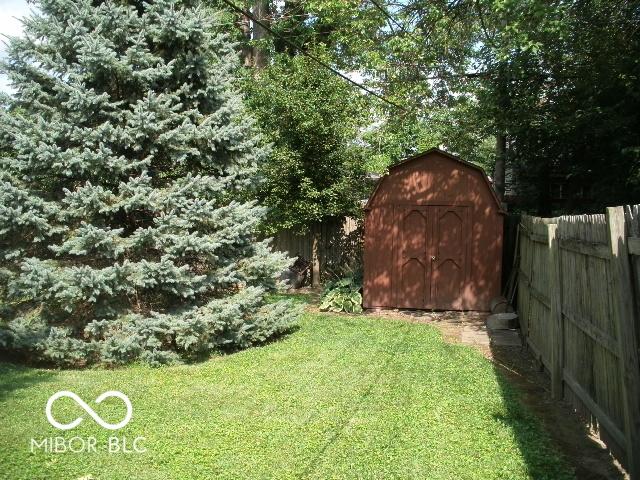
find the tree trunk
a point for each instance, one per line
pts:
(261, 12)
(254, 55)
(545, 178)
(499, 168)
(244, 24)
(502, 122)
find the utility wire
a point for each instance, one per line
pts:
(388, 15)
(311, 56)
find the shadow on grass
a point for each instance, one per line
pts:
(543, 461)
(221, 352)
(550, 436)
(18, 377)
(303, 298)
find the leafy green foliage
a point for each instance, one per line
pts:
(357, 36)
(127, 227)
(558, 79)
(316, 167)
(343, 397)
(565, 90)
(342, 296)
(453, 128)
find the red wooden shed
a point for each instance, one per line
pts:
(433, 236)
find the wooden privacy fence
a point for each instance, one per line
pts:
(578, 299)
(328, 245)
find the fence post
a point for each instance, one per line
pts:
(623, 310)
(555, 300)
(315, 256)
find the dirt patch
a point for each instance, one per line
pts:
(583, 450)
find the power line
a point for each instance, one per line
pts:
(388, 15)
(311, 56)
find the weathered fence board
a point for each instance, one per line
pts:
(533, 289)
(339, 242)
(578, 299)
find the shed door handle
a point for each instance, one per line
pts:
(433, 258)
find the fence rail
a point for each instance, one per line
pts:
(578, 299)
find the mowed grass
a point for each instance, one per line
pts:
(341, 397)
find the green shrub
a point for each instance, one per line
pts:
(342, 296)
(128, 165)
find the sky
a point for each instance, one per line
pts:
(10, 12)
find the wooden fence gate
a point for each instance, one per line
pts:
(578, 300)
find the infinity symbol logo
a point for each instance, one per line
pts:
(89, 410)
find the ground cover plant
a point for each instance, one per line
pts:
(342, 397)
(342, 295)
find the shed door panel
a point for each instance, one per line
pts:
(379, 233)
(412, 272)
(449, 262)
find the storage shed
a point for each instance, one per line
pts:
(433, 236)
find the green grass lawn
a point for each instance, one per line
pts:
(342, 397)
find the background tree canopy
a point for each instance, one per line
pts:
(550, 87)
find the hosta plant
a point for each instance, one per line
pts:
(342, 296)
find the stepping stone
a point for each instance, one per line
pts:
(474, 336)
(502, 321)
(505, 338)
(500, 305)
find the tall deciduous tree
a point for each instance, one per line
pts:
(121, 223)
(314, 119)
(316, 168)
(543, 91)
(556, 83)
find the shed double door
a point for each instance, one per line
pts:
(431, 256)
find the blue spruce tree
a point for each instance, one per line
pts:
(125, 229)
